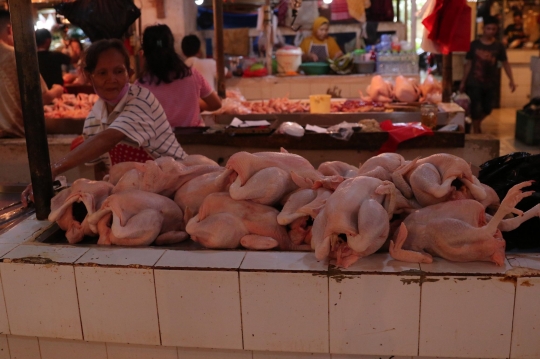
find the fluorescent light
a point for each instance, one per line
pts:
(327, 1)
(199, 2)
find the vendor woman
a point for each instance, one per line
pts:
(127, 123)
(320, 47)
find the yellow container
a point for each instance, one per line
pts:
(319, 103)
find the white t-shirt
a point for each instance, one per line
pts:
(207, 68)
(141, 118)
(11, 120)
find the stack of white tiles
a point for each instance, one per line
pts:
(141, 303)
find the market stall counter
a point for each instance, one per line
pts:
(95, 301)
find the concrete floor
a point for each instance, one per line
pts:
(501, 123)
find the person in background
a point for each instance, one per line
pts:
(191, 47)
(514, 36)
(320, 47)
(480, 72)
(11, 120)
(177, 87)
(50, 62)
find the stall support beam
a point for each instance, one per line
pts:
(447, 78)
(32, 105)
(220, 48)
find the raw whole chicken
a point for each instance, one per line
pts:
(382, 166)
(355, 221)
(300, 208)
(243, 165)
(378, 91)
(73, 218)
(406, 90)
(431, 179)
(267, 186)
(460, 230)
(431, 90)
(163, 176)
(338, 168)
(223, 222)
(138, 218)
(192, 194)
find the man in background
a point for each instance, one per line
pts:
(481, 71)
(514, 36)
(11, 122)
(50, 62)
(191, 47)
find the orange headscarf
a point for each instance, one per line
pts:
(320, 21)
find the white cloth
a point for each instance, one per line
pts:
(141, 118)
(207, 68)
(11, 120)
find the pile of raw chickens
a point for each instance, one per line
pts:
(70, 106)
(431, 206)
(404, 90)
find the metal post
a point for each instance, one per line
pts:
(268, 28)
(447, 78)
(413, 24)
(218, 36)
(32, 105)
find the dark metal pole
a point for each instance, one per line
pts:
(218, 37)
(32, 105)
(447, 78)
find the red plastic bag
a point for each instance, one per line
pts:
(449, 25)
(401, 131)
(257, 73)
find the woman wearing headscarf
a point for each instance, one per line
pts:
(320, 47)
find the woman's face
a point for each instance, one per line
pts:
(322, 32)
(110, 75)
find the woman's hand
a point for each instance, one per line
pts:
(314, 57)
(27, 195)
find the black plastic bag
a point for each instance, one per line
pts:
(100, 19)
(503, 173)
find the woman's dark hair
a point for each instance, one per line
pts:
(162, 62)
(99, 47)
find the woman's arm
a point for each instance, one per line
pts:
(211, 102)
(87, 151)
(90, 149)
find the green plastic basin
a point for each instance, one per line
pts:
(315, 68)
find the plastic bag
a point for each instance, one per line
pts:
(100, 19)
(502, 173)
(401, 131)
(291, 128)
(464, 101)
(343, 131)
(233, 107)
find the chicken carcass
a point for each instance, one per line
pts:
(243, 165)
(138, 218)
(382, 166)
(430, 180)
(460, 230)
(71, 207)
(406, 90)
(431, 90)
(355, 221)
(379, 90)
(191, 195)
(223, 222)
(300, 208)
(163, 176)
(338, 168)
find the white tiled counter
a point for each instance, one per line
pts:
(61, 301)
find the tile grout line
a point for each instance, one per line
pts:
(328, 301)
(513, 318)
(39, 347)
(419, 315)
(78, 301)
(157, 308)
(5, 303)
(241, 316)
